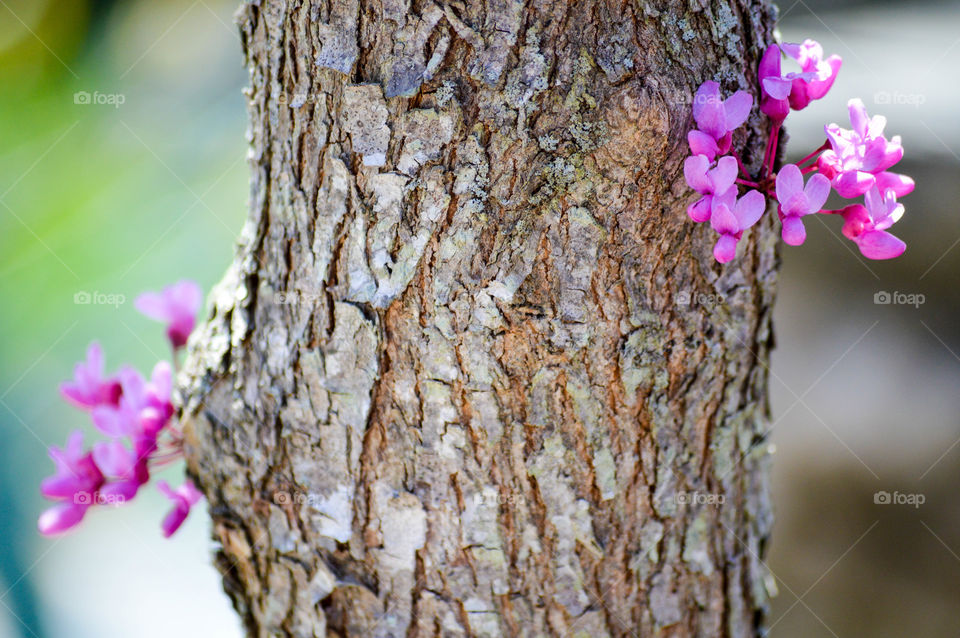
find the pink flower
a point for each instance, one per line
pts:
(731, 217)
(89, 388)
(717, 118)
(142, 408)
(774, 86)
(859, 155)
(810, 56)
(75, 483)
(780, 92)
(176, 305)
(866, 225)
(125, 469)
(185, 497)
(796, 201)
(123, 419)
(708, 182)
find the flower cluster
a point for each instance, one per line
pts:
(135, 415)
(853, 163)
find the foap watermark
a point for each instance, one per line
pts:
(492, 498)
(699, 498)
(897, 298)
(898, 97)
(684, 298)
(86, 98)
(98, 498)
(281, 497)
(297, 297)
(97, 298)
(682, 97)
(898, 498)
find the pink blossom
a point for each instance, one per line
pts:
(142, 408)
(824, 71)
(126, 470)
(123, 419)
(774, 86)
(780, 92)
(176, 305)
(859, 155)
(717, 118)
(89, 388)
(797, 200)
(866, 225)
(708, 182)
(185, 497)
(731, 217)
(75, 484)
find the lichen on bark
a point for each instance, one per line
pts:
(448, 386)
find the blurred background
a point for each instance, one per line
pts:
(122, 151)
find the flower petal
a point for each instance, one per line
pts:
(725, 249)
(695, 172)
(724, 221)
(879, 244)
(777, 88)
(153, 305)
(702, 144)
(724, 175)
(789, 183)
(900, 184)
(817, 191)
(859, 119)
(793, 232)
(737, 108)
(60, 518)
(708, 109)
(750, 209)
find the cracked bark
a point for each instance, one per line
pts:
(472, 357)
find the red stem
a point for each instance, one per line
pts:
(822, 148)
(743, 169)
(770, 156)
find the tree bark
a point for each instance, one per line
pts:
(473, 371)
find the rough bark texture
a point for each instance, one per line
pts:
(472, 357)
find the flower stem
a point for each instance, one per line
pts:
(746, 182)
(770, 156)
(809, 157)
(743, 169)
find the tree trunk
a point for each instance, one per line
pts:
(474, 372)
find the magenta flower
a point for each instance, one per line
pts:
(824, 72)
(185, 497)
(858, 155)
(125, 469)
(142, 408)
(797, 200)
(866, 225)
(176, 305)
(708, 182)
(75, 484)
(780, 92)
(123, 419)
(774, 86)
(89, 388)
(731, 219)
(717, 118)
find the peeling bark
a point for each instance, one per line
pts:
(472, 358)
